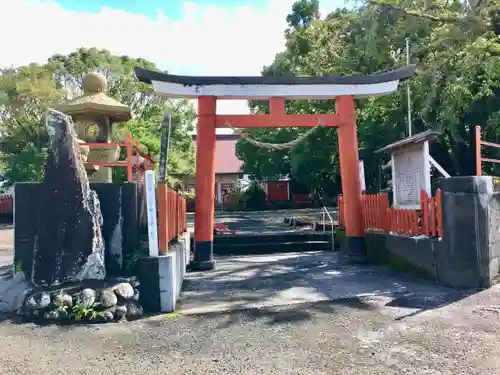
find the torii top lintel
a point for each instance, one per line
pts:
(257, 87)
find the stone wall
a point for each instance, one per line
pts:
(415, 255)
(119, 208)
(468, 255)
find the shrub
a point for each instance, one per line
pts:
(255, 197)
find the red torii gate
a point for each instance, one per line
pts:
(275, 89)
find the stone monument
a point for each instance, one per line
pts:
(94, 114)
(68, 282)
(69, 245)
(411, 165)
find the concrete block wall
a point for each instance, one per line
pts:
(471, 231)
(161, 277)
(415, 255)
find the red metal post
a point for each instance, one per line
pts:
(479, 167)
(162, 219)
(439, 213)
(129, 146)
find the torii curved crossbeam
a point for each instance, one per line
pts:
(326, 87)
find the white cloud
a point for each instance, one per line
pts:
(207, 40)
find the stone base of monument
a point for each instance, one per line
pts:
(90, 301)
(162, 276)
(13, 291)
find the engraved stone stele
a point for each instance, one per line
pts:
(411, 168)
(95, 109)
(68, 245)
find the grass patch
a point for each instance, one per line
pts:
(173, 315)
(130, 259)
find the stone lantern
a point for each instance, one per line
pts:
(94, 114)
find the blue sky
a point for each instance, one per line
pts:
(172, 8)
(211, 37)
(195, 37)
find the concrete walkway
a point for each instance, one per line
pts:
(264, 222)
(265, 281)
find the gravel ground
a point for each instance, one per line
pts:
(326, 338)
(372, 333)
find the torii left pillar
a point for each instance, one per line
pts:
(205, 184)
(349, 174)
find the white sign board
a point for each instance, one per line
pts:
(151, 210)
(362, 175)
(410, 173)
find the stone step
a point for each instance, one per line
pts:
(271, 238)
(270, 247)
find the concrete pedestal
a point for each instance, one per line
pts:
(470, 252)
(161, 277)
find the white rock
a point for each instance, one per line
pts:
(124, 290)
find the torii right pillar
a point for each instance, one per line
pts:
(349, 173)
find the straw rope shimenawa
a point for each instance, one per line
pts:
(95, 100)
(275, 146)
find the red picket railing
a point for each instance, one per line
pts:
(403, 221)
(377, 215)
(374, 206)
(432, 214)
(172, 217)
(6, 204)
(132, 147)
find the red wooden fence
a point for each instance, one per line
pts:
(172, 218)
(6, 204)
(377, 215)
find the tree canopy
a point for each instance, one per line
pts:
(26, 92)
(456, 46)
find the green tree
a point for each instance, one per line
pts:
(457, 86)
(26, 92)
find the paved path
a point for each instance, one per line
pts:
(386, 325)
(264, 222)
(244, 282)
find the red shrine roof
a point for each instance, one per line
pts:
(226, 161)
